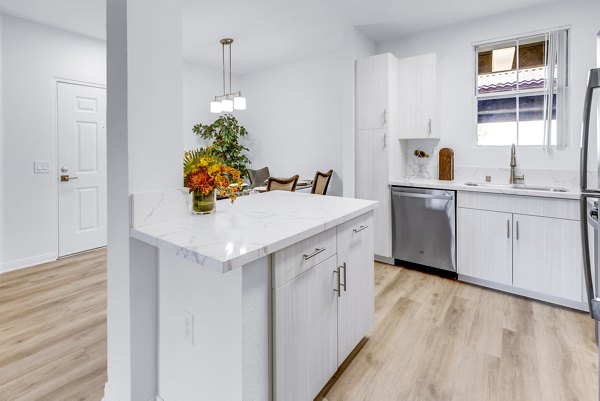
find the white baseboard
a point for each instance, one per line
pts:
(27, 262)
(109, 395)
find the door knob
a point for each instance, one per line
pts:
(67, 177)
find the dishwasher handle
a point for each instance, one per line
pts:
(424, 196)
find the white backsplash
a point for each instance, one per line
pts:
(422, 168)
(427, 168)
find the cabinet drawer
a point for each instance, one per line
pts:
(294, 260)
(529, 205)
(356, 231)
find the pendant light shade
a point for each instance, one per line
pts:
(239, 103)
(216, 107)
(227, 105)
(223, 103)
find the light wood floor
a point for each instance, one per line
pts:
(433, 339)
(53, 330)
(436, 339)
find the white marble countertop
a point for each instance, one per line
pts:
(457, 185)
(252, 227)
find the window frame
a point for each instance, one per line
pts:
(515, 93)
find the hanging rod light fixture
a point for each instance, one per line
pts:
(228, 101)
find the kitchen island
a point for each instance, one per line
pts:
(262, 300)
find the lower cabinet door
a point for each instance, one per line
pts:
(547, 256)
(356, 300)
(305, 343)
(484, 248)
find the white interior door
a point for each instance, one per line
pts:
(81, 121)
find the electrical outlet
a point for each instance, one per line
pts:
(41, 167)
(188, 327)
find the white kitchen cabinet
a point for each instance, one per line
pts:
(356, 298)
(525, 245)
(306, 333)
(484, 242)
(418, 115)
(372, 183)
(322, 313)
(547, 256)
(373, 91)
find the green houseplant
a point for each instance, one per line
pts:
(225, 133)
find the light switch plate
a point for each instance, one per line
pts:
(41, 167)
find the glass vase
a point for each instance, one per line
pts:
(204, 204)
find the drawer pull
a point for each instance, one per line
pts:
(344, 267)
(359, 229)
(315, 253)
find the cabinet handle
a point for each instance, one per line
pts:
(385, 140)
(384, 116)
(359, 229)
(339, 284)
(507, 228)
(344, 285)
(429, 127)
(315, 253)
(517, 230)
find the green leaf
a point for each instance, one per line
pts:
(224, 134)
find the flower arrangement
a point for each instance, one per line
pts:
(205, 175)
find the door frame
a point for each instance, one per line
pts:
(56, 80)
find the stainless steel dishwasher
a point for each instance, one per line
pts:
(424, 227)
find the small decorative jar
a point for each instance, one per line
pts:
(204, 204)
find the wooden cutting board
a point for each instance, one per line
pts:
(446, 164)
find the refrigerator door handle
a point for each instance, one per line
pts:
(593, 301)
(593, 83)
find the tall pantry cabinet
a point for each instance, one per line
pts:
(376, 133)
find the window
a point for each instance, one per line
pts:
(521, 91)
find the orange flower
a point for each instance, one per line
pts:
(205, 173)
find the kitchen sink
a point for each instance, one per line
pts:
(516, 186)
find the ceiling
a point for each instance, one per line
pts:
(272, 32)
(87, 17)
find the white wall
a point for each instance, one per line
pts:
(32, 56)
(453, 45)
(301, 115)
(144, 135)
(294, 116)
(2, 235)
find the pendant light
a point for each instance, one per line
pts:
(228, 101)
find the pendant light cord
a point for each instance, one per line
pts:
(223, 53)
(229, 68)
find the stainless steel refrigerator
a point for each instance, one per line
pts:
(590, 196)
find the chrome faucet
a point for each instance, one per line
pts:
(513, 163)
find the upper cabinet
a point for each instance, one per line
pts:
(418, 111)
(374, 77)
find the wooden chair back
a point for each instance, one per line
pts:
(282, 184)
(321, 182)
